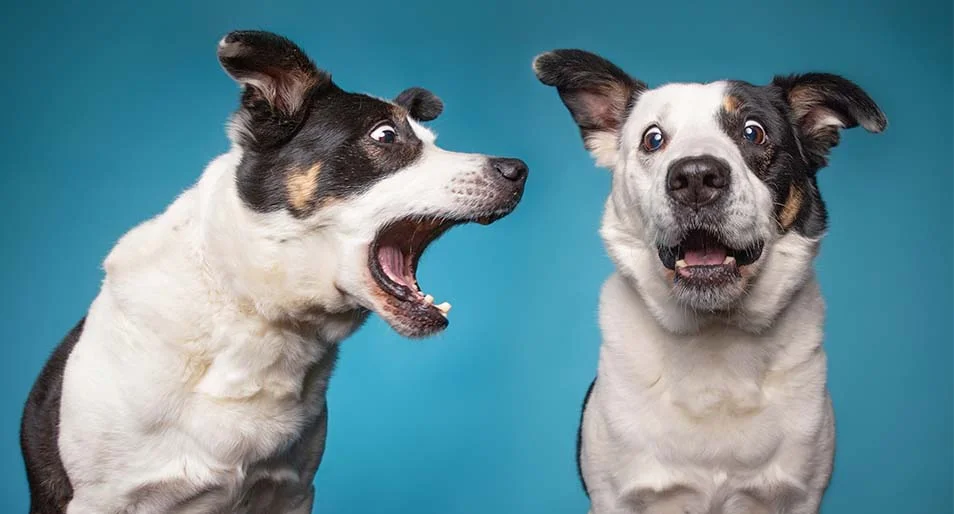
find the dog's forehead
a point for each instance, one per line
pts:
(680, 102)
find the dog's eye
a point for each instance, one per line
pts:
(754, 132)
(653, 139)
(384, 133)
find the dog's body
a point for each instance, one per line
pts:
(196, 383)
(711, 395)
(741, 425)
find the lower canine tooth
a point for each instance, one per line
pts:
(443, 307)
(729, 260)
(429, 299)
(681, 263)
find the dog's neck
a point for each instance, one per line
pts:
(206, 276)
(266, 263)
(718, 367)
(226, 261)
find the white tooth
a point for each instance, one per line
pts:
(429, 299)
(681, 263)
(444, 307)
(729, 260)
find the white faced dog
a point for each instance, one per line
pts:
(196, 382)
(711, 393)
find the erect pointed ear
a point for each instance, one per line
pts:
(420, 103)
(597, 93)
(822, 104)
(277, 79)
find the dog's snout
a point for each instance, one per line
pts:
(511, 169)
(697, 181)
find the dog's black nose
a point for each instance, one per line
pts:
(697, 181)
(511, 169)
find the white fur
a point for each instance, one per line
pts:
(190, 384)
(695, 412)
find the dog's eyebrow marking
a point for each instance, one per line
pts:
(731, 103)
(792, 205)
(301, 186)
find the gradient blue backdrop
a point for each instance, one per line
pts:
(110, 110)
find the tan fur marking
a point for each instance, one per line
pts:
(301, 186)
(791, 208)
(730, 104)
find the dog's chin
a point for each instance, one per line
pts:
(411, 319)
(393, 257)
(707, 274)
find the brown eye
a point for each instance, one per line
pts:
(754, 132)
(384, 133)
(653, 139)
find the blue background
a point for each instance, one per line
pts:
(110, 110)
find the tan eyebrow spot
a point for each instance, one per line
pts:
(301, 186)
(731, 103)
(792, 205)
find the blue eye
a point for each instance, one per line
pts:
(754, 132)
(653, 139)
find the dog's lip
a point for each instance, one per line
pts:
(415, 233)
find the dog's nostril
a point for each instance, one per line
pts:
(510, 169)
(678, 182)
(697, 181)
(716, 180)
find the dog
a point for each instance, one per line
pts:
(196, 382)
(710, 394)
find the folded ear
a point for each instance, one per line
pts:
(822, 104)
(277, 79)
(420, 103)
(597, 93)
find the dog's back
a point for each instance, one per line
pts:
(50, 489)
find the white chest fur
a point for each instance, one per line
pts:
(719, 421)
(180, 397)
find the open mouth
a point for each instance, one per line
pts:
(702, 259)
(394, 256)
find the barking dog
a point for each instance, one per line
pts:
(711, 392)
(196, 382)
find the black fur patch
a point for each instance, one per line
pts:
(305, 139)
(579, 438)
(50, 488)
(335, 136)
(796, 147)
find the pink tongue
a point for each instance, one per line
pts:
(707, 255)
(392, 262)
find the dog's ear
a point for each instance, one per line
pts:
(822, 104)
(598, 94)
(277, 79)
(420, 103)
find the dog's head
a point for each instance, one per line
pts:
(715, 207)
(345, 191)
